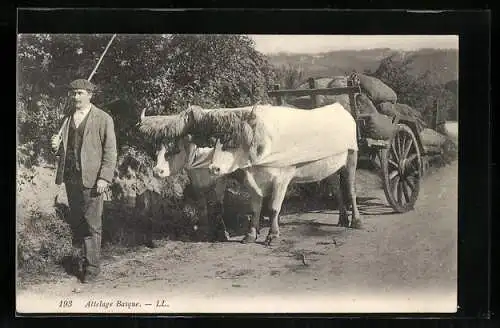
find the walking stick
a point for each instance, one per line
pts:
(102, 56)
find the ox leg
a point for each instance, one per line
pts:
(278, 195)
(221, 233)
(254, 224)
(265, 212)
(350, 169)
(339, 189)
(201, 203)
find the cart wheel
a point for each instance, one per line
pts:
(402, 169)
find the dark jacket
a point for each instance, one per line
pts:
(98, 153)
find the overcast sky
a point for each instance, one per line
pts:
(322, 43)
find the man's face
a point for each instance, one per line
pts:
(80, 98)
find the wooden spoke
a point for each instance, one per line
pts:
(407, 148)
(400, 146)
(393, 150)
(404, 186)
(410, 184)
(392, 156)
(390, 161)
(399, 189)
(392, 175)
(395, 188)
(403, 145)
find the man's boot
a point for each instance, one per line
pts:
(92, 251)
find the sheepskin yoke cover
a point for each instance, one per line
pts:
(284, 136)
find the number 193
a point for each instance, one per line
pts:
(65, 303)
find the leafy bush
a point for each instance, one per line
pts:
(44, 239)
(43, 236)
(423, 92)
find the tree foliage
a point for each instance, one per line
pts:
(163, 73)
(289, 76)
(423, 92)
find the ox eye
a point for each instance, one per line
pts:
(260, 149)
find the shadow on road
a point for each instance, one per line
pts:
(366, 206)
(314, 229)
(373, 206)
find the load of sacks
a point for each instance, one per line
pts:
(376, 98)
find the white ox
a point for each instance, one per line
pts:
(285, 145)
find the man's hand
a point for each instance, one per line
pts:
(55, 141)
(102, 185)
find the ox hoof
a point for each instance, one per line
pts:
(221, 236)
(248, 239)
(356, 224)
(343, 222)
(150, 244)
(270, 239)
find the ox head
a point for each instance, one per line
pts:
(175, 149)
(173, 156)
(236, 152)
(225, 161)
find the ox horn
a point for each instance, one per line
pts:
(254, 107)
(143, 114)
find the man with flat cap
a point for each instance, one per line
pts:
(87, 160)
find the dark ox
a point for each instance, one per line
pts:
(177, 153)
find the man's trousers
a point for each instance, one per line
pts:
(85, 219)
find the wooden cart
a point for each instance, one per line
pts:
(400, 157)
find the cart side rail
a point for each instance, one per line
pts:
(314, 92)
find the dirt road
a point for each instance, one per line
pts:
(398, 262)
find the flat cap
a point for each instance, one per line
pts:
(82, 84)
